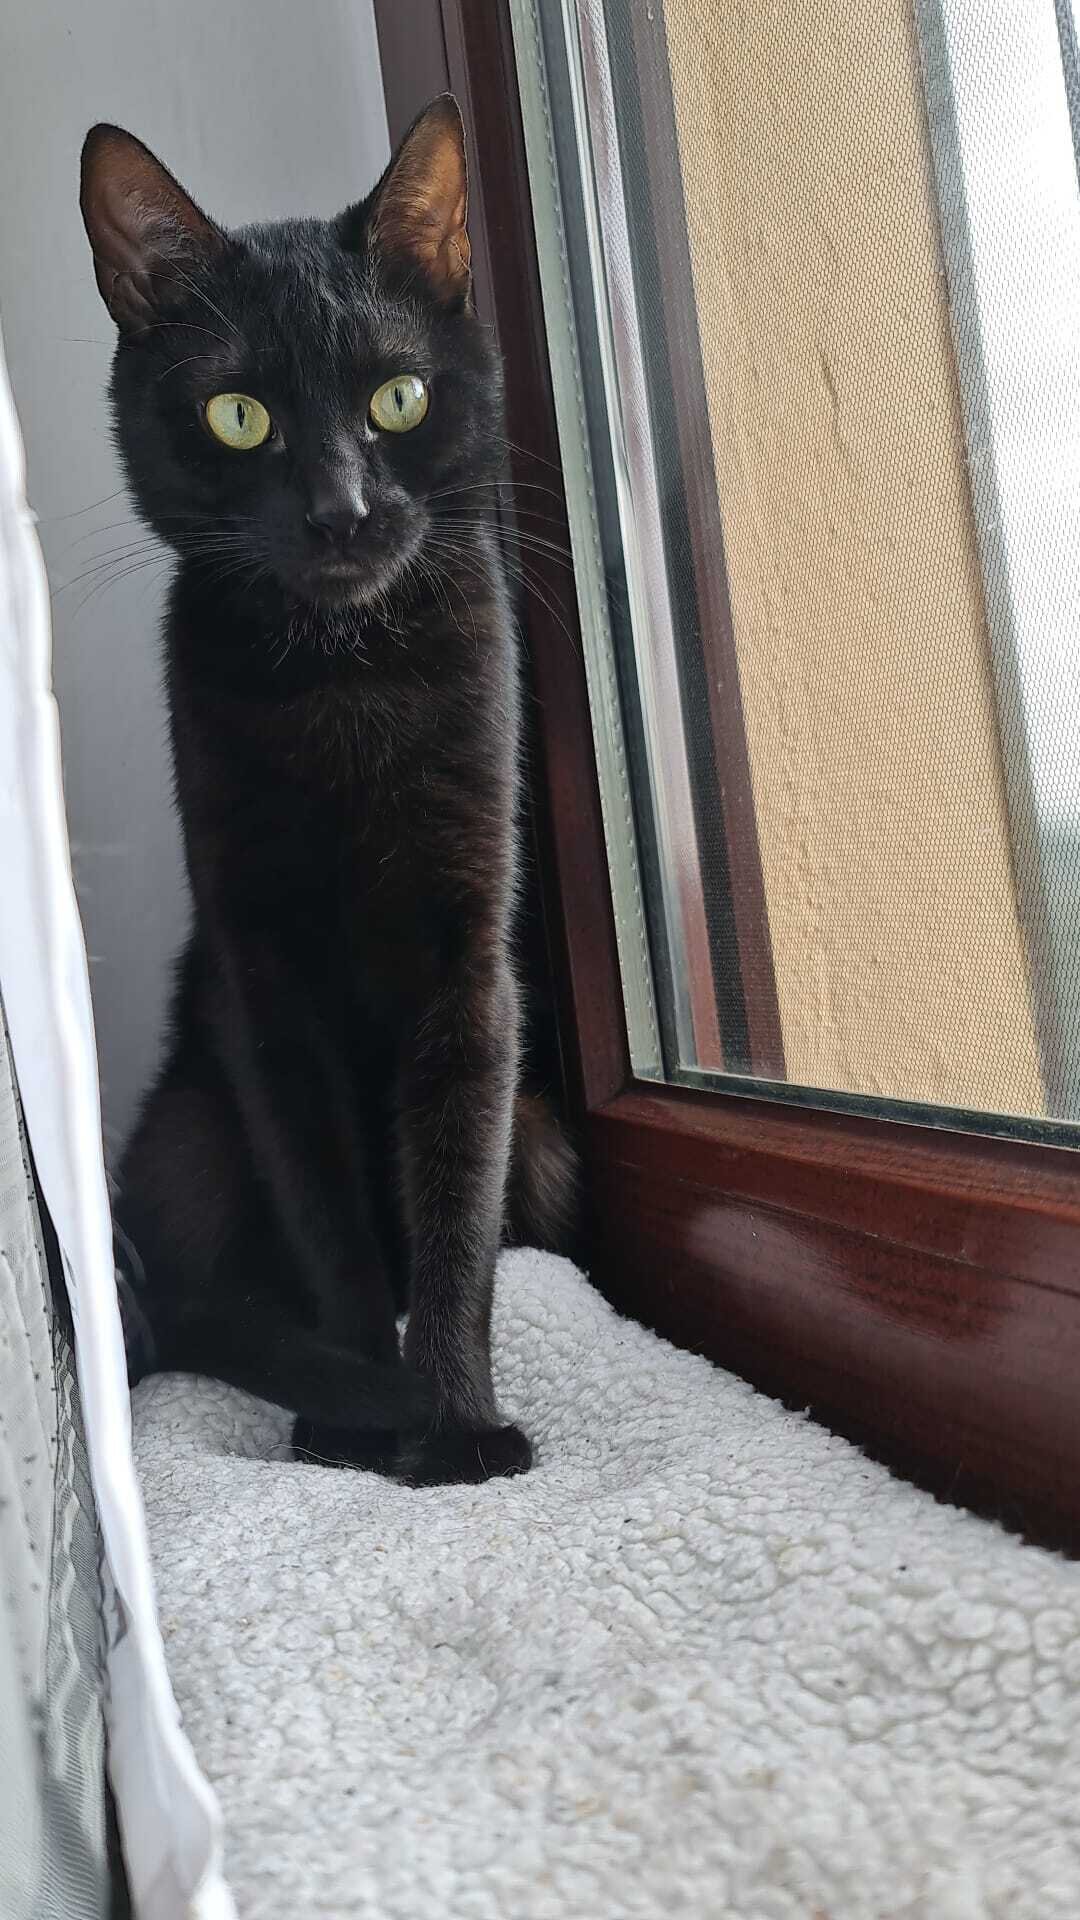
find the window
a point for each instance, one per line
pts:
(809, 278)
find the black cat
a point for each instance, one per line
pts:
(310, 414)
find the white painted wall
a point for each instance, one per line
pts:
(262, 108)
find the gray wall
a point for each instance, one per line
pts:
(262, 108)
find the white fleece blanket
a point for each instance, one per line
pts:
(704, 1660)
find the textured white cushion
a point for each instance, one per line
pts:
(706, 1659)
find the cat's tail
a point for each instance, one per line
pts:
(543, 1185)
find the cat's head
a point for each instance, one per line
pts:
(311, 402)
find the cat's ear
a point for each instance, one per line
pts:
(417, 213)
(141, 224)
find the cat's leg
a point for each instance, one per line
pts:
(455, 1107)
(289, 1080)
(216, 1287)
(333, 1389)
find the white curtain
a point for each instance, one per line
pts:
(169, 1818)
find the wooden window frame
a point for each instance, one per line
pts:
(915, 1288)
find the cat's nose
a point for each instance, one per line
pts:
(336, 513)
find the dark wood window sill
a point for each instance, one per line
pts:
(918, 1291)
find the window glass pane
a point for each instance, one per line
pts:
(813, 270)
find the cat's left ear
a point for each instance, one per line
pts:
(417, 212)
(144, 230)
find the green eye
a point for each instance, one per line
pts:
(400, 404)
(238, 421)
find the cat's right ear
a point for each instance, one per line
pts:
(142, 227)
(416, 214)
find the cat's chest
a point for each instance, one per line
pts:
(347, 805)
(369, 853)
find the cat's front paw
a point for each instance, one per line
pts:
(451, 1455)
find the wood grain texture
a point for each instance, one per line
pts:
(997, 1205)
(918, 1291)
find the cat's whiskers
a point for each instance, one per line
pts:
(282, 653)
(189, 326)
(119, 572)
(111, 526)
(177, 272)
(229, 550)
(52, 519)
(526, 453)
(519, 536)
(429, 573)
(516, 570)
(506, 488)
(114, 557)
(436, 549)
(177, 364)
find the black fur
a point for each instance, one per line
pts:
(328, 1142)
